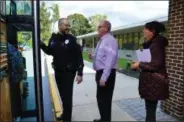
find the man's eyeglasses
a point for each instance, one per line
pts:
(67, 25)
(100, 27)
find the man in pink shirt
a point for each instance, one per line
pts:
(104, 62)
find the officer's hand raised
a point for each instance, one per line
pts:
(79, 79)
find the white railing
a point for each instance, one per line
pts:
(125, 54)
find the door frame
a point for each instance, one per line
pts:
(37, 62)
(33, 19)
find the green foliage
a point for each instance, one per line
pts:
(79, 24)
(85, 56)
(55, 14)
(123, 63)
(45, 23)
(25, 39)
(23, 7)
(95, 19)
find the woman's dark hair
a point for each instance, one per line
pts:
(155, 27)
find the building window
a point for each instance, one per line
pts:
(126, 37)
(141, 39)
(2, 7)
(120, 41)
(136, 40)
(123, 40)
(130, 38)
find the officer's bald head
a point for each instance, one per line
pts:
(62, 20)
(63, 25)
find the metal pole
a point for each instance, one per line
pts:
(37, 62)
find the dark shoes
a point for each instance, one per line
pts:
(60, 117)
(100, 120)
(97, 120)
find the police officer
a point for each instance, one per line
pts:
(67, 60)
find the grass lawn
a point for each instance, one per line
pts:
(122, 63)
(85, 56)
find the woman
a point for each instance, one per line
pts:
(153, 81)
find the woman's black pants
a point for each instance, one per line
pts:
(151, 110)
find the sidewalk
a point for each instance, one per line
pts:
(85, 105)
(126, 105)
(84, 96)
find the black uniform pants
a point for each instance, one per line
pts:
(104, 95)
(151, 110)
(65, 81)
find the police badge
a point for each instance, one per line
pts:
(66, 41)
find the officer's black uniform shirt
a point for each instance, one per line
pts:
(67, 54)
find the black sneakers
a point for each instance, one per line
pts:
(60, 117)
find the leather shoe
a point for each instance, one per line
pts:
(97, 120)
(60, 117)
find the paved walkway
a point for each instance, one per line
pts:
(85, 106)
(84, 97)
(136, 108)
(126, 106)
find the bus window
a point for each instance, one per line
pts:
(24, 7)
(19, 7)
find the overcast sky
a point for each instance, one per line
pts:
(119, 12)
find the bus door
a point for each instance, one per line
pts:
(24, 64)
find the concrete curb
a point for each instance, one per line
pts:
(56, 100)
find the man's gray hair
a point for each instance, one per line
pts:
(108, 24)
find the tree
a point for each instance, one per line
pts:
(55, 14)
(79, 24)
(25, 39)
(45, 23)
(95, 19)
(23, 7)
